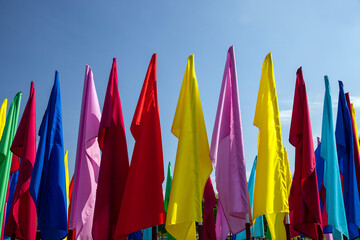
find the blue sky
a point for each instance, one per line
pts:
(39, 37)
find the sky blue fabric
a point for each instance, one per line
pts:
(334, 197)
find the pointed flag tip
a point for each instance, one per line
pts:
(114, 60)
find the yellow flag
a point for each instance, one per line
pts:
(276, 221)
(67, 182)
(270, 193)
(193, 164)
(355, 125)
(3, 117)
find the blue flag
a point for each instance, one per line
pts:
(258, 231)
(334, 196)
(47, 186)
(135, 236)
(13, 180)
(345, 148)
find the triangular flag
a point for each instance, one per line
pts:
(143, 204)
(48, 186)
(270, 193)
(87, 161)
(227, 152)
(304, 197)
(114, 162)
(334, 197)
(5, 154)
(193, 164)
(22, 218)
(345, 151)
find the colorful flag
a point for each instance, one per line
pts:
(355, 139)
(334, 196)
(114, 162)
(167, 195)
(345, 151)
(276, 221)
(143, 204)
(209, 204)
(87, 161)
(270, 193)
(6, 155)
(22, 217)
(47, 186)
(227, 152)
(304, 197)
(257, 230)
(193, 164)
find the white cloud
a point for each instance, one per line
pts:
(356, 101)
(285, 116)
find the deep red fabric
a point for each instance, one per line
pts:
(114, 162)
(22, 217)
(209, 204)
(304, 197)
(143, 203)
(356, 140)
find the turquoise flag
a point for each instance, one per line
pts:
(334, 197)
(258, 231)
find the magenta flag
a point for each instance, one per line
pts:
(87, 162)
(227, 153)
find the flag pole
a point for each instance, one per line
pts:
(287, 226)
(38, 234)
(201, 231)
(154, 233)
(247, 226)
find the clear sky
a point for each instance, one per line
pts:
(39, 37)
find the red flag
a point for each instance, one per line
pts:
(304, 197)
(143, 203)
(22, 217)
(209, 204)
(114, 162)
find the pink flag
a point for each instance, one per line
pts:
(227, 153)
(87, 162)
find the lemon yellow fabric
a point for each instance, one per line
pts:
(67, 182)
(193, 165)
(3, 116)
(276, 221)
(271, 190)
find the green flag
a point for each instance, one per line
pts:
(5, 153)
(167, 195)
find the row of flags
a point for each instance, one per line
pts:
(108, 199)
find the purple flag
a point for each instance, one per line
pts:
(227, 153)
(87, 162)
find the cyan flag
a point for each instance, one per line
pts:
(47, 186)
(334, 197)
(345, 149)
(258, 231)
